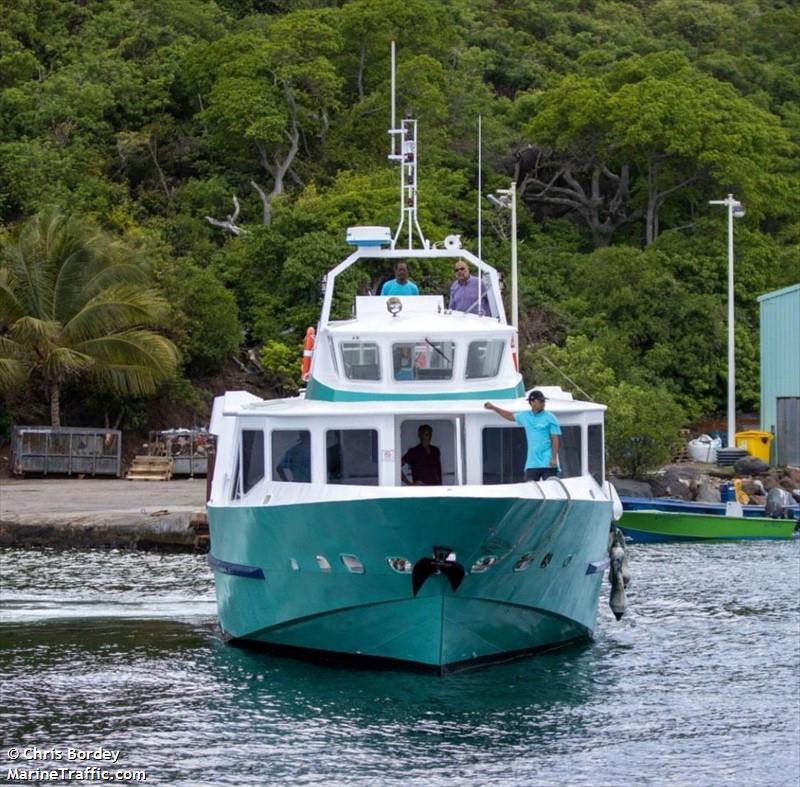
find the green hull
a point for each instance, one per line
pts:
(657, 526)
(287, 601)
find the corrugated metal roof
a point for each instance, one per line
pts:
(778, 293)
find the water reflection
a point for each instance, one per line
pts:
(677, 693)
(161, 687)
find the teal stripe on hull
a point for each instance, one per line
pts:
(320, 391)
(375, 613)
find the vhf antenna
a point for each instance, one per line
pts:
(407, 133)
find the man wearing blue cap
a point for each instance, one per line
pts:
(542, 433)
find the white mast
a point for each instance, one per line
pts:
(480, 197)
(408, 171)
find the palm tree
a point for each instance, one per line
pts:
(74, 302)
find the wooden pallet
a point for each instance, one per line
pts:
(681, 454)
(150, 468)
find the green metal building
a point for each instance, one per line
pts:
(780, 372)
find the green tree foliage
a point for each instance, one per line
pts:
(641, 428)
(213, 331)
(613, 149)
(282, 364)
(74, 302)
(148, 118)
(266, 91)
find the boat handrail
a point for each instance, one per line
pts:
(371, 253)
(547, 538)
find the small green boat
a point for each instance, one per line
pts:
(658, 526)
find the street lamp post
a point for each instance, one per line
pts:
(508, 199)
(735, 210)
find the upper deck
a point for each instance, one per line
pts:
(414, 347)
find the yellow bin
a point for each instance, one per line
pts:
(756, 444)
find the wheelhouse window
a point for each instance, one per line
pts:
(361, 360)
(504, 452)
(483, 358)
(351, 456)
(569, 452)
(291, 455)
(596, 452)
(423, 360)
(252, 458)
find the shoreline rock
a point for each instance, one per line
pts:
(694, 482)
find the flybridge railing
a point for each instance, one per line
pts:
(491, 288)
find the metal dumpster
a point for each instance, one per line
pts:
(45, 450)
(188, 448)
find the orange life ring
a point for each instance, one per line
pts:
(308, 351)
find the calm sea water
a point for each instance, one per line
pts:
(698, 685)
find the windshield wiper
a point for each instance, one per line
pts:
(431, 344)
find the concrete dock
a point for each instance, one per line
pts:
(70, 512)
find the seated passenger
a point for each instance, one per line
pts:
(403, 368)
(424, 460)
(400, 284)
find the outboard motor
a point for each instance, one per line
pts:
(779, 503)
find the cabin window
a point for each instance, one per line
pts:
(504, 452)
(596, 452)
(291, 455)
(569, 452)
(361, 360)
(252, 458)
(351, 456)
(423, 360)
(483, 358)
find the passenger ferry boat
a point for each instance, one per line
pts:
(320, 549)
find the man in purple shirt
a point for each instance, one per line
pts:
(464, 292)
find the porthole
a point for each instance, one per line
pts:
(323, 563)
(524, 562)
(400, 564)
(353, 564)
(483, 563)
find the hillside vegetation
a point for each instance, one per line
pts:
(141, 123)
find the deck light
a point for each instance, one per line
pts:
(394, 306)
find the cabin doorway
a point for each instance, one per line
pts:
(444, 435)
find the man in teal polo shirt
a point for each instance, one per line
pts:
(542, 433)
(400, 284)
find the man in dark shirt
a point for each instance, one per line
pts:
(424, 460)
